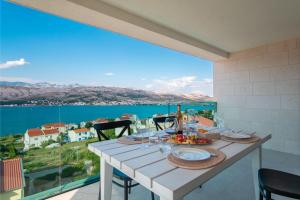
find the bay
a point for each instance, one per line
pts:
(16, 120)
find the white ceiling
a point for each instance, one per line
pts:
(230, 25)
(210, 29)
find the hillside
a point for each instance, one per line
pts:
(49, 94)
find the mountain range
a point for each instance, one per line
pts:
(22, 93)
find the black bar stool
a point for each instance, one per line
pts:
(278, 182)
(161, 120)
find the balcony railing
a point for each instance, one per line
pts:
(54, 156)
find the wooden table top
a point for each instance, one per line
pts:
(151, 169)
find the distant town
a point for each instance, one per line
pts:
(26, 94)
(51, 135)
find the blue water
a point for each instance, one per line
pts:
(16, 120)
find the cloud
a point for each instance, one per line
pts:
(13, 63)
(17, 79)
(143, 79)
(109, 74)
(182, 85)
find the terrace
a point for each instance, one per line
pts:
(255, 47)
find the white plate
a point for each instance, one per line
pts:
(143, 135)
(236, 135)
(191, 154)
(170, 131)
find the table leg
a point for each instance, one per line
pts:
(256, 165)
(105, 179)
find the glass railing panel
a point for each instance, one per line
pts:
(77, 162)
(61, 160)
(24, 136)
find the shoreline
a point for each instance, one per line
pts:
(206, 103)
(36, 114)
(154, 104)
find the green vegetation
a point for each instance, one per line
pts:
(88, 125)
(67, 154)
(73, 155)
(46, 143)
(70, 171)
(10, 146)
(207, 114)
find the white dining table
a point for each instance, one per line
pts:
(150, 168)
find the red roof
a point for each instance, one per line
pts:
(100, 120)
(127, 115)
(124, 118)
(34, 132)
(11, 175)
(51, 131)
(81, 130)
(55, 125)
(205, 121)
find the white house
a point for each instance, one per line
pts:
(82, 124)
(130, 117)
(72, 126)
(51, 134)
(60, 126)
(35, 137)
(93, 132)
(80, 134)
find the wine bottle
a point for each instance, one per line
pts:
(179, 120)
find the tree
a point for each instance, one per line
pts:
(62, 138)
(88, 125)
(12, 152)
(206, 113)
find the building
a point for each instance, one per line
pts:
(62, 127)
(72, 126)
(131, 117)
(99, 120)
(82, 124)
(12, 180)
(80, 134)
(51, 134)
(35, 137)
(203, 121)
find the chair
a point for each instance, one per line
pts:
(100, 127)
(278, 182)
(160, 120)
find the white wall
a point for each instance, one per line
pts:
(259, 89)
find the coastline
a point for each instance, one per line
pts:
(125, 104)
(17, 119)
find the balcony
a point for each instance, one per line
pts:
(255, 50)
(53, 158)
(221, 185)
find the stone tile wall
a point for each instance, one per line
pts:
(259, 89)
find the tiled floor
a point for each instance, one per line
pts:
(235, 183)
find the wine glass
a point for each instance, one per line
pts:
(191, 114)
(191, 124)
(219, 120)
(171, 125)
(143, 131)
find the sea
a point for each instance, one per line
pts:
(17, 119)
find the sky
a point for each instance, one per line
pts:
(38, 47)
